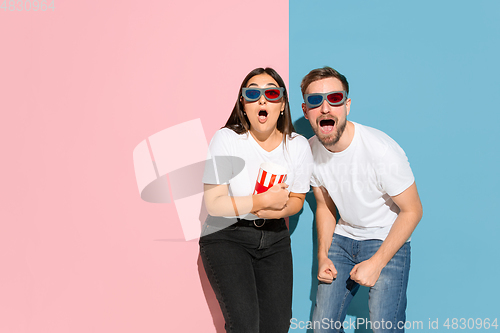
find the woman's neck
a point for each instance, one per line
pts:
(268, 141)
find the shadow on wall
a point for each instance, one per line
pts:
(359, 308)
(359, 305)
(208, 292)
(303, 127)
(213, 304)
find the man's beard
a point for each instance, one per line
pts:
(332, 138)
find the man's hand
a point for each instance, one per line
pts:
(326, 270)
(366, 273)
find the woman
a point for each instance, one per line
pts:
(245, 244)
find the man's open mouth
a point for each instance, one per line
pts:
(326, 125)
(262, 116)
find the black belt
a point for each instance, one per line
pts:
(259, 223)
(223, 222)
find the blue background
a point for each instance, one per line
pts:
(427, 74)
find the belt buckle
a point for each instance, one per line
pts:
(259, 226)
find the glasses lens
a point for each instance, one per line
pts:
(315, 100)
(252, 93)
(335, 97)
(272, 93)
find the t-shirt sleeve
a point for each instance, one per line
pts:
(393, 170)
(218, 166)
(314, 181)
(303, 167)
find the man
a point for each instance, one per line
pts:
(364, 174)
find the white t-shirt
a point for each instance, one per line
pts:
(361, 180)
(235, 159)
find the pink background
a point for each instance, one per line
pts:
(80, 87)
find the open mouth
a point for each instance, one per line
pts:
(326, 125)
(262, 116)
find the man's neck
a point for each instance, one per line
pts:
(345, 140)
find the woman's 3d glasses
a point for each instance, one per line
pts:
(334, 98)
(271, 94)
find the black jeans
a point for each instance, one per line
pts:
(250, 270)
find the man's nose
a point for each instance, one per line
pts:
(325, 107)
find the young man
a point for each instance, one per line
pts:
(365, 175)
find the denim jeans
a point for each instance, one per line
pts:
(250, 271)
(387, 298)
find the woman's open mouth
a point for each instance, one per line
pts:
(326, 125)
(262, 116)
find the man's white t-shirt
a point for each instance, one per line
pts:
(361, 180)
(235, 159)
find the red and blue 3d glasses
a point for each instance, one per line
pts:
(334, 98)
(271, 94)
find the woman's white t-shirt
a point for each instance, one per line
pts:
(235, 159)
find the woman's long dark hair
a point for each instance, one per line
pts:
(239, 122)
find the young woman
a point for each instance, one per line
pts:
(245, 243)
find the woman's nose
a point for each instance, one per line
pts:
(262, 99)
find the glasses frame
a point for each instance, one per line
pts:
(262, 91)
(324, 96)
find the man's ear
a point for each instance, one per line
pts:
(304, 110)
(348, 106)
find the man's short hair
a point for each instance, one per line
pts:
(320, 74)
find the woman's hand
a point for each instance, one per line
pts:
(276, 197)
(269, 214)
(292, 207)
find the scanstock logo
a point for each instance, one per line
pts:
(169, 167)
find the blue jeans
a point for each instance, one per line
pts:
(250, 271)
(387, 298)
